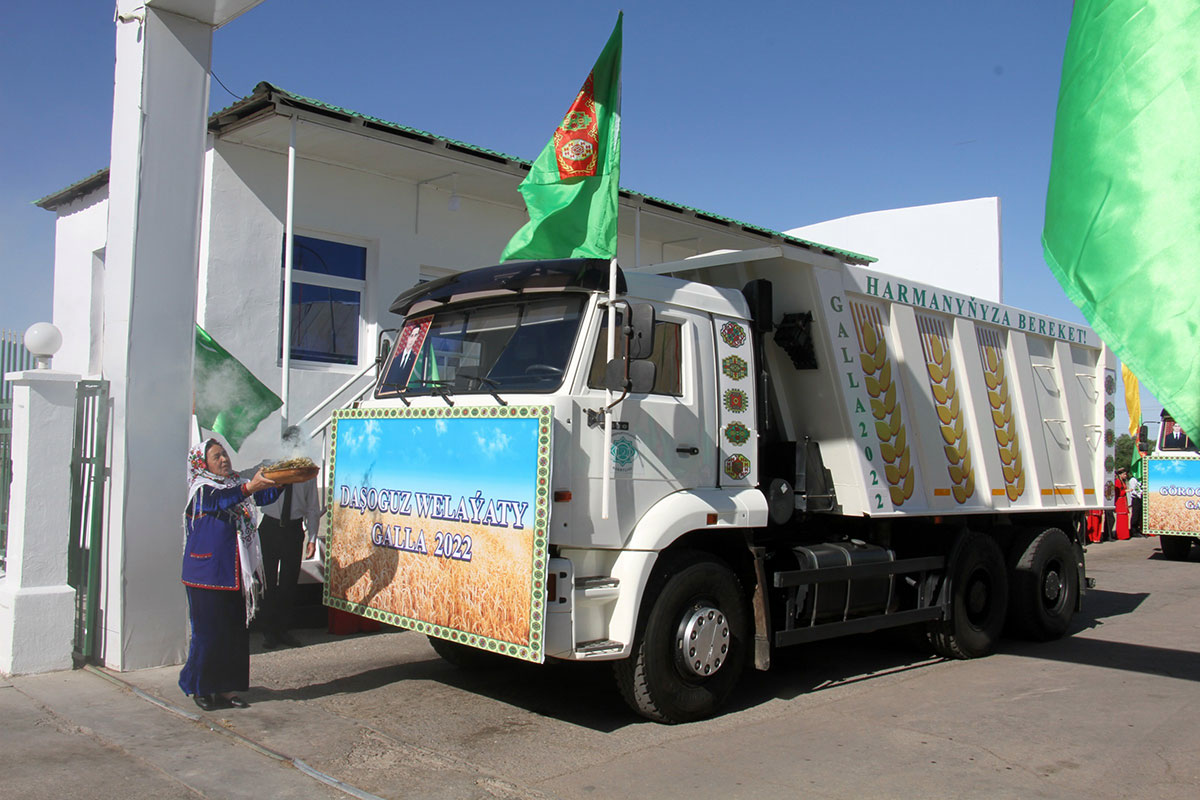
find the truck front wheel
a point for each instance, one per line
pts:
(692, 648)
(1044, 585)
(978, 599)
(1175, 548)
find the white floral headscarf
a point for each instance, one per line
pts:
(244, 516)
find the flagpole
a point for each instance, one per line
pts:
(288, 235)
(555, 182)
(606, 483)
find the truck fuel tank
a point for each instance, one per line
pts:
(845, 597)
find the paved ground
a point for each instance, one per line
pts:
(1111, 711)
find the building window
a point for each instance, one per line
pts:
(327, 289)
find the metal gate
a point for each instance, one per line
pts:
(13, 358)
(89, 471)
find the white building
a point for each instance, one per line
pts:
(377, 207)
(955, 245)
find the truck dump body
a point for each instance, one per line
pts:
(924, 401)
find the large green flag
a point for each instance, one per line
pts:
(1122, 230)
(229, 399)
(571, 190)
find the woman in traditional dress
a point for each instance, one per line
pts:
(1121, 504)
(223, 573)
(1095, 526)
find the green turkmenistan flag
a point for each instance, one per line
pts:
(1122, 228)
(229, 400)
(571, 190)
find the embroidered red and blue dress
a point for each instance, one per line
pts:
(210, 556)
(219, 649)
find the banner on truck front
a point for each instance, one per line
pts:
(439, 520)
(1172, 495)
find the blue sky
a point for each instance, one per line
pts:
(776, 113)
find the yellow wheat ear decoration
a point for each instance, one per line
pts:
(935, 346)
(881, 386)
(1008, 446)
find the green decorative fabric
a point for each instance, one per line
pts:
(1122, 232)
(576, 217)
(229, 400)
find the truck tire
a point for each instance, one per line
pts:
(1043, 585)
(464, 656)
(697, 599)
(1175, 548)
(978, 599)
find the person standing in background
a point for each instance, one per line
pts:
(289, 527)
(1134, 488)
(1121, 504)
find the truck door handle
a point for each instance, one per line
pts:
(688, 451)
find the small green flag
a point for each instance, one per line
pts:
(229, 400)
(1123, 206)
(571, 190)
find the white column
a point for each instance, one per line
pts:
(37, 607)
(156, 172)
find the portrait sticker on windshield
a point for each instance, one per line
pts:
(408, 348)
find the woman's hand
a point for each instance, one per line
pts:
(258, 483)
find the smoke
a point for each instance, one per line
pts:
(295, 444)
(227, 384)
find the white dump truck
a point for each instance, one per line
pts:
(775, 447)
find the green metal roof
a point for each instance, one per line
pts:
(262, 98)
(264, 89)
(76, 190)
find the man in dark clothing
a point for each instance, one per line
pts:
(282, 532)
(288, 527)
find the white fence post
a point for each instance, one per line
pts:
(37, 607)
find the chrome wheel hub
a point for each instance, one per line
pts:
(703, 640)
(1052, 587)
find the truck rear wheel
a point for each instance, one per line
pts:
(978, 599)
(692, 647)
(1175, 548)
(1043, 585)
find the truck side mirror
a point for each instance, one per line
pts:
(1143, 443)
(640, 331)
(384, 349)
(641, 376)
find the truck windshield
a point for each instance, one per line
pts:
(515, 346)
